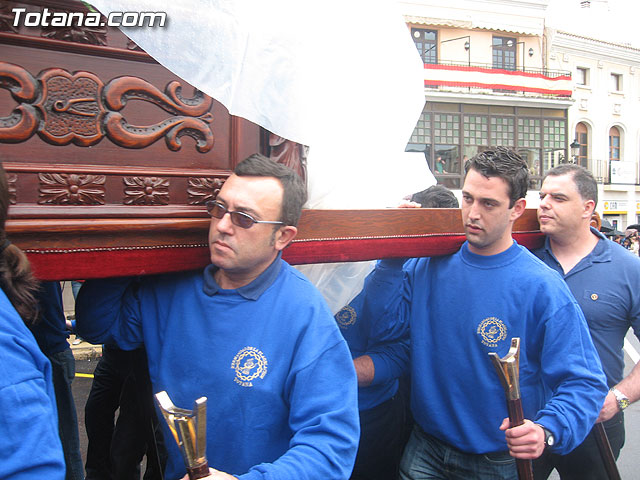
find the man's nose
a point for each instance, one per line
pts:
(474, 211)
(544, 202)
(224, 224)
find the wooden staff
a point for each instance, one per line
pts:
(508, 369)
(605, 452)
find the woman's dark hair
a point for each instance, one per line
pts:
(16, 279)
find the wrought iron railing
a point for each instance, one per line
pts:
(486, 66)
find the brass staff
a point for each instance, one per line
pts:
(189, 429)
(508, 369)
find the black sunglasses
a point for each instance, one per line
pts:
(240, 219)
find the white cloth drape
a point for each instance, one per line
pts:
(342, 77)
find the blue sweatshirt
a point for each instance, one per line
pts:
(280, 383)
(605, 284)
(375, 336)
(51, 331)
(29, 442)
(463, 306)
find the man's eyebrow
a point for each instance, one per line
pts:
(555, 194)
(481, 199)
(240, 208)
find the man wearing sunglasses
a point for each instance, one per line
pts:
(250, 333)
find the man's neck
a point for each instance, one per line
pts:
(570, 249)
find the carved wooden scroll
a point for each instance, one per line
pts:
(78, 108)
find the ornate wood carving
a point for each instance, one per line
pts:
(71, 107)
(23, 121)
(73, 33)
(131, 45)
(77, 108)
(201, 190)
(289, 153)
(146, 191)
(11, 184)
(6, 18)
(71, 189)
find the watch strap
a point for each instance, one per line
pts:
(621, 398)
(549, 439)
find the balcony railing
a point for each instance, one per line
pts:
(616, 172)
(484, 78)
(486, 66)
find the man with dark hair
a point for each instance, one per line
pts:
(604, 278)
(250, 333)
(436, 196)
(461, 307)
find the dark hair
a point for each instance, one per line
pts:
(582, 178)
(16, 279)
(436, 196)
(505, 164)
(295, 191)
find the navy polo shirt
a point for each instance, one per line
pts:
(606, 284)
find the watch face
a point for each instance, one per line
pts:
(624, 403)
(550, 440)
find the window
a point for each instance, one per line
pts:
(426, 43)
(582, 76)
(616, 82)
(450, 133)
(504, 53)
(582, 139)
(614, 144)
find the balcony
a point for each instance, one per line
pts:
(615, 172)
(480, 78)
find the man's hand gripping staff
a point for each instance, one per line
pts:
(508, 369)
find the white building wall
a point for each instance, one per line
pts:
(599, 107)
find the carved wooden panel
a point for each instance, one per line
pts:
(106, 151)
(146, 191)
(78, 108)
(62, 189)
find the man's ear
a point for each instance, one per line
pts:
(589, 208)
(518, 209)
(284, 236)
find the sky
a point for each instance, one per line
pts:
(609, 20)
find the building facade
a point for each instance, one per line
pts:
(603, 119)
(497, 74)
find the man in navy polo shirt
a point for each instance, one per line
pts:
(604, 279)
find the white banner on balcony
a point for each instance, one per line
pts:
(623, 172)
(491, 78)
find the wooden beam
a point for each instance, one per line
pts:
(95, 248)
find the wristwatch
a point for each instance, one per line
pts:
(621, 398)
(549, 439)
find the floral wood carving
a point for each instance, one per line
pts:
(71, 189)
(146, 191)
(78, 108)
(201, 190)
